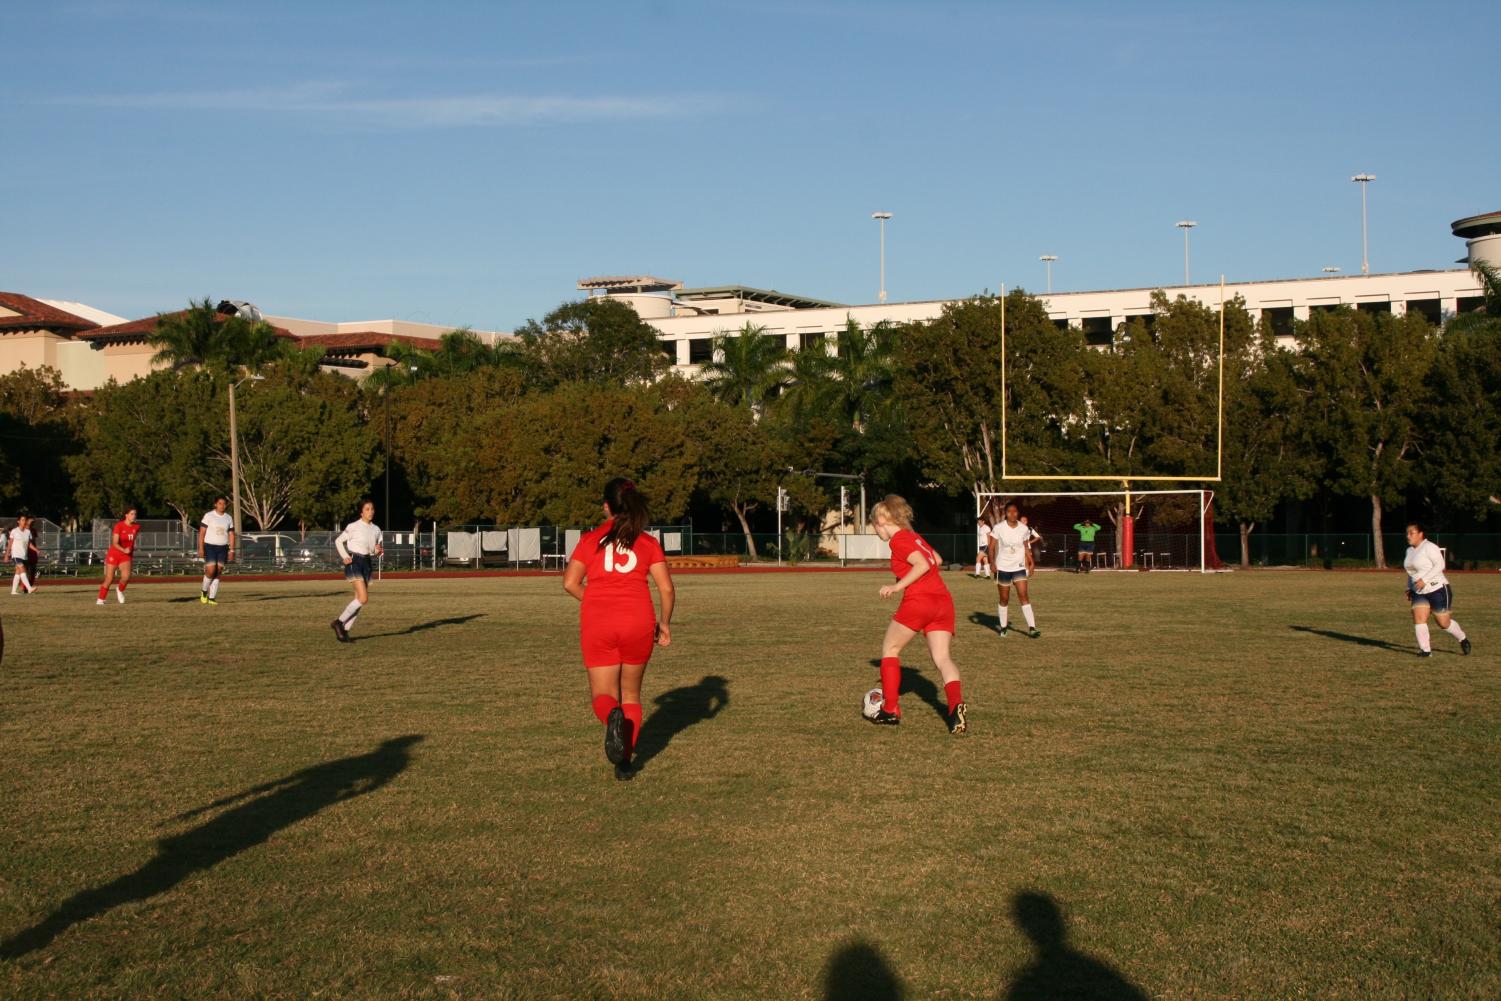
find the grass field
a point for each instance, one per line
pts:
(1239, 786)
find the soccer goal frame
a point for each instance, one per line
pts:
(1219, 425)
(994, 501)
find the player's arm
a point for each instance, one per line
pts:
(662, 577)
(573, 579)
(231, 542)
(114, 541)
(341, 545)
(202, 530)
(380, 550)
(919, 566)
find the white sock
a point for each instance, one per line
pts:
(15, 582)
(977, 568)
(213, 588)
(1027, 614)
(351, 611)
(1421, 629)
(206, 582)
(1001, 611)
(1452, 628)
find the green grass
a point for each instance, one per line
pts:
(1219, 804)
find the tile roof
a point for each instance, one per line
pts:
(365, 339)
(139, 330)
(38, 315)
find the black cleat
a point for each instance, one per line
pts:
(615, 739)
(625, 771)
(1425, 653)
(957, 722)
(884, 718)
(1034, 632)
(1002, 630)
(340, 631)
(1464, 646)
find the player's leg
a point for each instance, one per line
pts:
(109, 576)
(351, 612)
(218, 572)
(939, 644)
(896, 639)
(124, 579)
(1002, 600)
(1026, 603)
(1420, 625)
(208, 579)
(1445, 620)
(631, 676)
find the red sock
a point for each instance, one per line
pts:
(891, 684)
(122, 585)
(952, 692)
(632, 712)
(602, 706)
(103, 591)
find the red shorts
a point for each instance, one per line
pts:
(114, 559)
(608, 642)
(926, 613)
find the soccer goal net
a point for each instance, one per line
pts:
(1145, 529)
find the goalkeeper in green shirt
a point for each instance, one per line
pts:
(1087, 531)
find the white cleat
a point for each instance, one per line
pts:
(120, 595)
(99, 601)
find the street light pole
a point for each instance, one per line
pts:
(1185, 225)
(1365, 261)
(1048, 259)
(881, 217)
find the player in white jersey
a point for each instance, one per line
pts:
(216, 547)
(982, 546)
(358, 545)
(21, 547)
(1428, 590)
(1008, 544)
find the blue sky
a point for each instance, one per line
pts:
(466, 163)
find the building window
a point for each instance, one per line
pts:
(1323, 307)
(1097, 331)
(700, 350)
(1279, 319)
(813, 340)
(1061, 323)
(1429, 309)
(1374, 307)
(670, 349)
(1469, 304)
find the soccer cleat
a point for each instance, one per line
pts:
(120, 595)
(213, 601)
(340, 631)
(957, 723)
(99, 601)
(615, 738)
(625, 771)
(1002, 630)
(884, 718)
(1034, 632)
(1464, 646)
(1425, 653)
(202, 599)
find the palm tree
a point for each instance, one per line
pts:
(202, 336)
(749, 370)
(863, 370)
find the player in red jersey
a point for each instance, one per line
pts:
(927, 608)
(122, 546)
(607, 573)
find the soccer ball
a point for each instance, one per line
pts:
(871, 703)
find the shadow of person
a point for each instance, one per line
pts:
(1347, 638)
(914, 682)
(991, 622)
(262, 811)
(1059, 971)
(417, 627)
(858, 972)
(677, 710)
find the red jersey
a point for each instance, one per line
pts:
(904, 544)
(127, 535)
(616, 575)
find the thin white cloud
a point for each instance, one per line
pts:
(338, 101)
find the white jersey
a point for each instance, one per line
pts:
(216, 528)
(1424, 564)
(361, 538)
(1011, 545)
(982, 538)
(20, 543)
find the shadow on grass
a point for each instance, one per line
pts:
(1057, 969)
(915, 683)
(991, 622)
(265, 810)
(240, 598)
(859, 972)
(677, 710)
(452, 620)
(1347, 638)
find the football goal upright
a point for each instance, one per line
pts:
(1133, 529)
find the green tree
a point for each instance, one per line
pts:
(600, 341)
(457, 353)
(38, 432)
(748, 369)
(1365, 384)
(1460, 467)
(202, 336)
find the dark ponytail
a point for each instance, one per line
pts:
(628, 505)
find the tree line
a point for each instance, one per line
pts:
(1375, 410)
